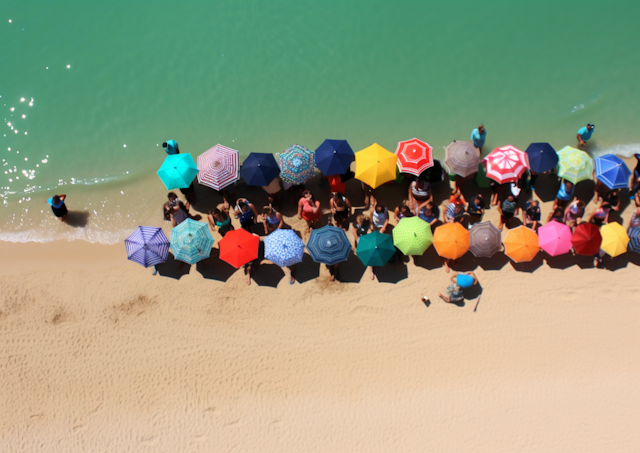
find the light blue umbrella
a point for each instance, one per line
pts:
(191, 241)
(296, 164)
(612, 171)
(283, 247)
(329, 245)
(177, 171)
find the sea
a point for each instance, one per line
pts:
(90, 90)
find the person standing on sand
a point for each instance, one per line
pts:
(58, 207)
(584, 134)
(478, 137)
(171, 147)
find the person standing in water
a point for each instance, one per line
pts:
(58, 207)
(478, 137)
(171, 147)
(584, 134)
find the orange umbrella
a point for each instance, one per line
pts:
(521, 244)
(451, 240)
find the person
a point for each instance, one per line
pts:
(635, 219)
(508, 208)
(419, 192)
(219, 221)
(634, 181)
(379, 217)
(478, 136)
(341, 210)
(496, 191)
(309, 209)
(612, 197)
(274, 192)
(58, 207)
(271, 219)
(246, 212)
(189, 193)
(248, 267)
(584, 134)
(453, 213)
(360, 228)
(402, 211)
(369, 195)
(531, 214)
(175, 210)
(601, 215)
(457, 198)
(574, 212)
(460, 282)
(428, 212)
(475, 208)
(557, 214)
(564, 195)
(171, 147)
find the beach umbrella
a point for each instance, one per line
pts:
(238, 247)
(375, 165)
(574, 165)
(259, 169)
(334, 157)
(612, 171)
(283, 247)
(614, 239)
(414, 156)
(462, 158)
(586, 239)
(412, 236)
(218, 167)
(147, 246)
(555, 238)
(177, 171)
(328, 245)
(191, 241)
(542, 157)
(521, 244)
(433, 174)
(375, 249)
(451, 240)
(634, 239)
(296, 164)
(484, 240)
(506, 164)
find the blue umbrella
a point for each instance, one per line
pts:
(612, 171)
(634, 239)
(283, 247)
(177, 171)
(296, 164)
(329, 245)
(147, 246)
(542, 157)
(191, 241)
(334, 157)
(259, 169)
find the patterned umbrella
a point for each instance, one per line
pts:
(634, 239)
(574, 165)
(542, 157)
(191, 241)
(238, 247)
(177, 171)
(484, 240)
(414, 156)
(147, 246)
(614, 239)
(329, 245)
(612, 171)
(412, 236)
(555, 238)
(334, 157)
(586, 239)
(375, 165)
(462, 158)
(218, 167)
(259, 169)
(506, 164)
(283, 247)
(375, 249)
(451, 240)
(296, 164)
(521, 244)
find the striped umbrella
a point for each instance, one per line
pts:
(375, 249)
(147, 246)
(238, 247)
(521, 244)
(177, 171)
(218, 167)
(612, 171)
(574, 165)
(414, 156)
(412, 236)
(329, 245)
(484, 240)
(296, 164)
(283, 247)
(634, 239)
(555, 238)
(506, 164)
(462, 158)
(614, 239)
(191, 241)
(451, 240)
(334, 157)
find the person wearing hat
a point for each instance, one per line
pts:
(478, 137)
(171, 147)
(584, 134)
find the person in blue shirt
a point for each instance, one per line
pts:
(478, 136)
(584, 134)
(58, 207)
(171, 147)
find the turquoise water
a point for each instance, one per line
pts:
(260, 76)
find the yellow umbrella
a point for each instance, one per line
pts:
(614, 239)
(375, 165)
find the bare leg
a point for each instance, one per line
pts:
(446, 265)
(372, 274)
(445, 298)
(248, 275)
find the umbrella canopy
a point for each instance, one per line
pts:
(542, 157)
(433, 174)
(296, 164)
(329, 245)
(521, 244)
(612, 171)
(412, 236)
(334, 157)
(218, 167)
(586, 239)
(414, 156)
(259, 169)
(238, 247)
(634, 239)
(451, 240)
(484, 240)
(614, 239)
(147, 246)
(555, 238)
(462, 158)
(177, 171)
(283, 247)
(574, 165)
(191, 241)
(375, 165)
(375, 249)
(506, 164)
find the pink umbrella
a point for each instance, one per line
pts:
(555, 238)
(506, 164)
(218, 167)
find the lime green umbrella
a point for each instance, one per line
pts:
(574, 165)
(177, 171)
(375, 249)
(412, 236)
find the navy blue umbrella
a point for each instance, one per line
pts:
(542, 157)
(334, 157)
(259, 169)
(147, 246)
(634, 239)
(329, 245)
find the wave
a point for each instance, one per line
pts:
(619, 150)
(88, 234)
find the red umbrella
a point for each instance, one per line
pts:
(506, 164)
(238, 247)
(586, 239)
(414, 156)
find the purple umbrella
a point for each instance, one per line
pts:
(147, 246)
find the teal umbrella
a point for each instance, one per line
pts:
(177, 171)
(375, 249)
(191, 241)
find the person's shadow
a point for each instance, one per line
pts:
(77, 219)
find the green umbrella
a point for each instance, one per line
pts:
(574, 165)
(375, 249)
(191, 241)
(177, 171)
(412, 236)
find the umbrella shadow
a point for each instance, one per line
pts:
(613, 264)
(465, 263)
(307, 269)
(267, 275)
(474, 292)
(352, 270)
(547, 186)
(392, 272)
(584, 190)
(77, 219)
(495, 263)
(429, 260)
(529, 266)
(173, 268)
(213, 268)
(564, 261)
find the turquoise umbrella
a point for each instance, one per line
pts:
(177, 171)
(375, 249)
(191, 241)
